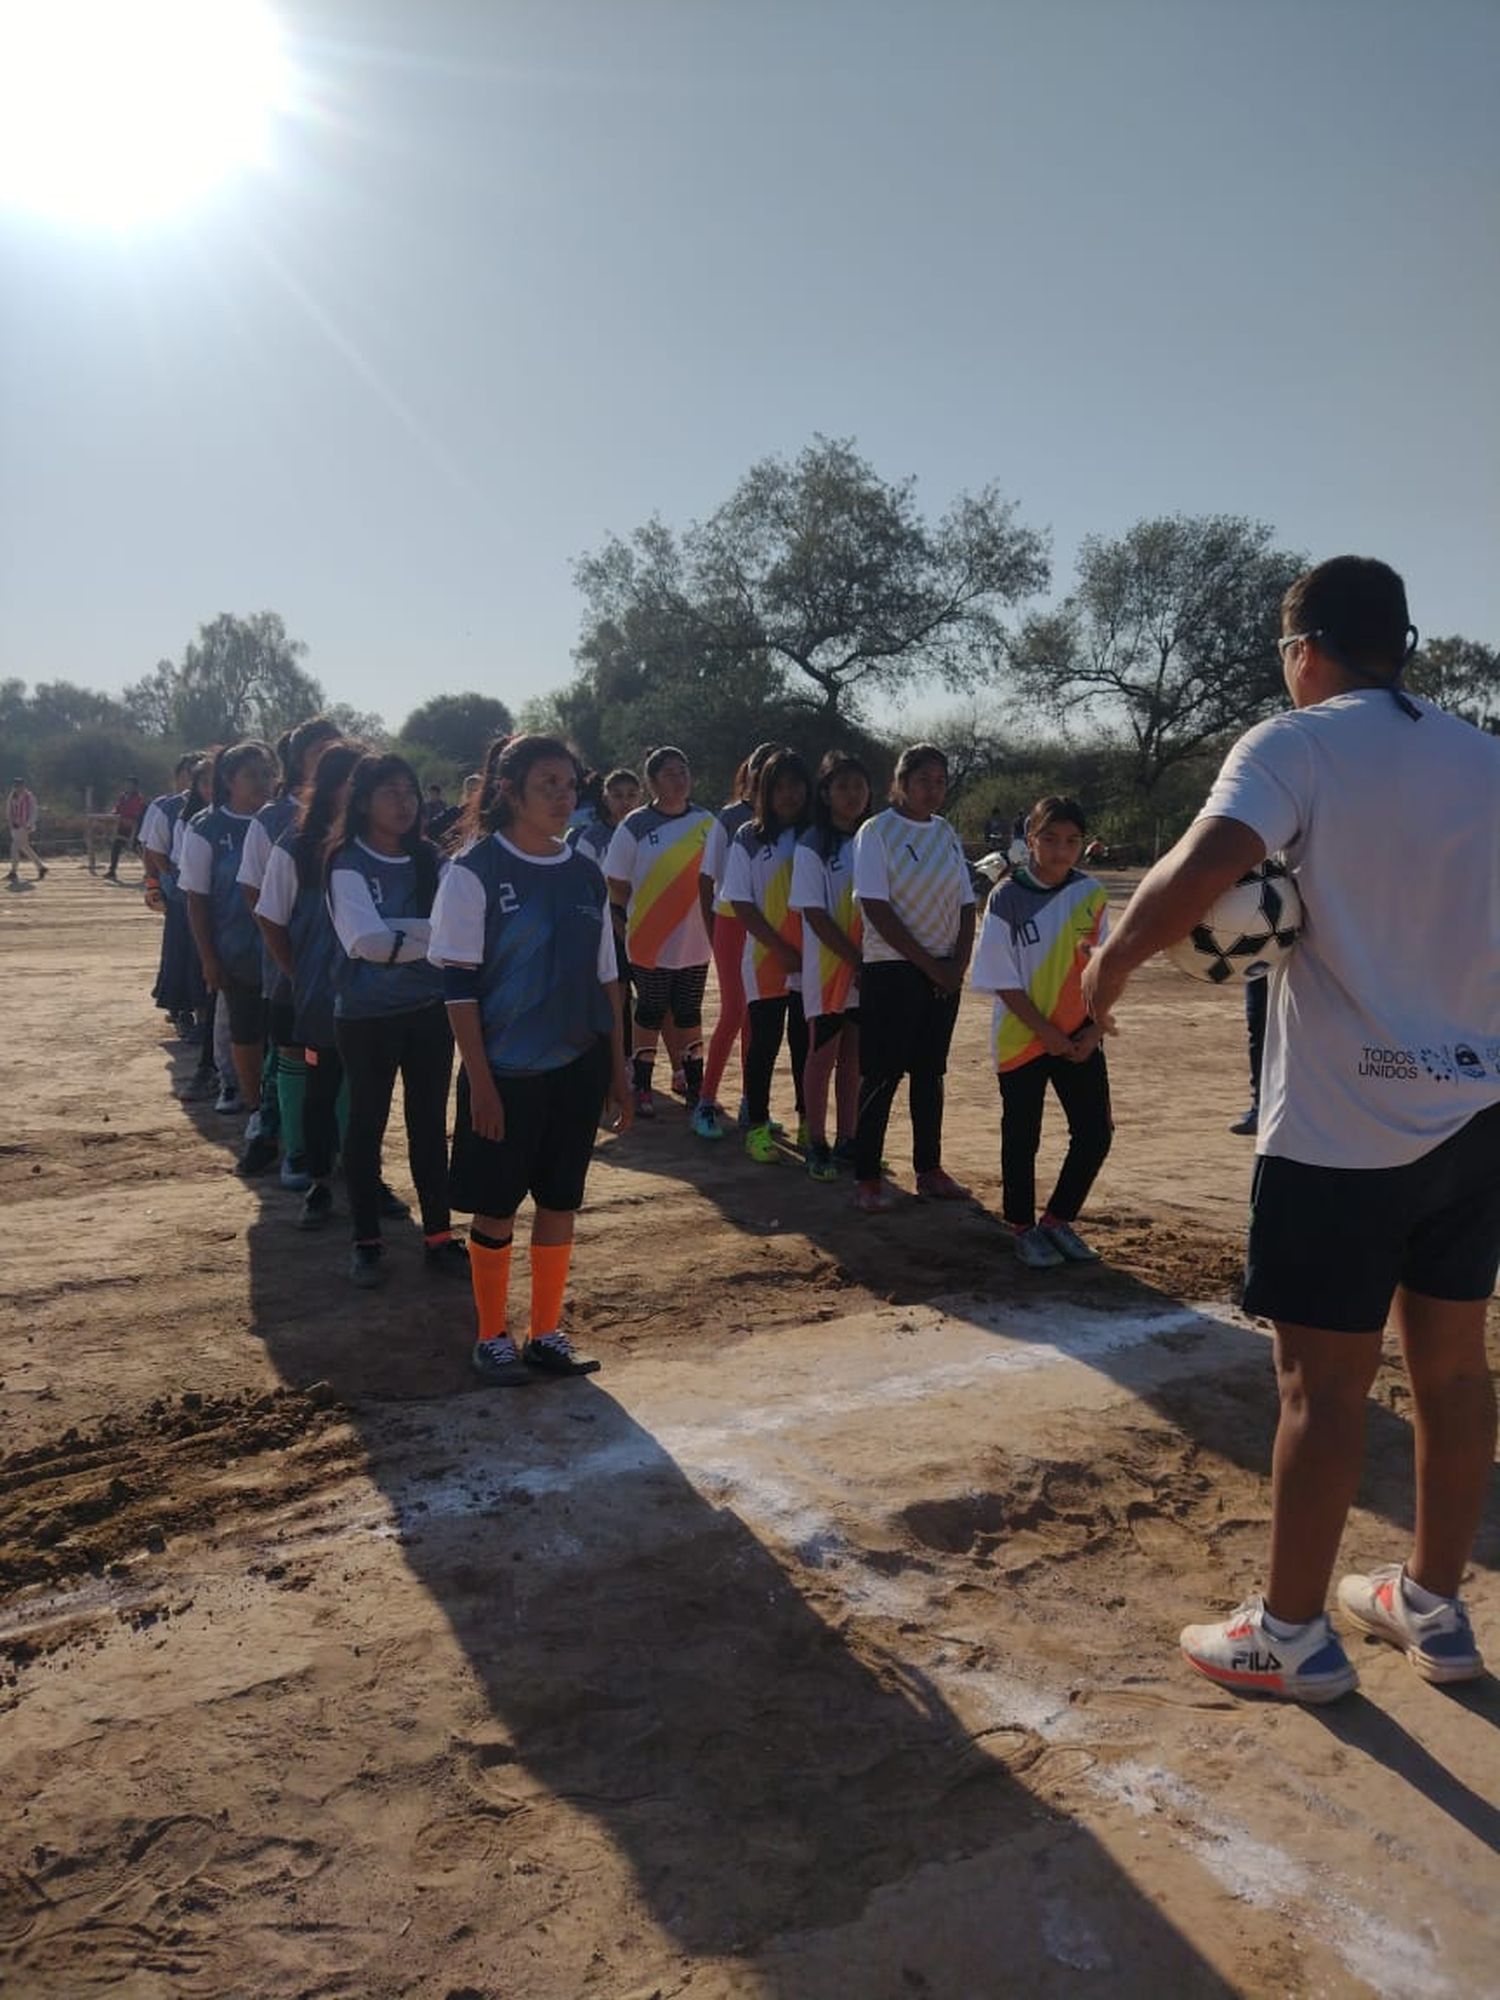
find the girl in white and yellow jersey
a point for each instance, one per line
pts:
(832, 936)
(758, 886)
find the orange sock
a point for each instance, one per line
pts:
(549, 1280)
(489, 1272)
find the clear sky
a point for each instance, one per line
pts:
(517, 275)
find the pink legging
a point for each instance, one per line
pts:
(729, 969)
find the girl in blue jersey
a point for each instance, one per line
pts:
(179, 979)
(223, 928)
(284, 1082)
(381, 877)
(294, 919)
(522, 932)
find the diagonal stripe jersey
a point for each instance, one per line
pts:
(918, 867)
(1037, 941)
(760, 872)
(826, 884)
(661, 857)
(727, 822)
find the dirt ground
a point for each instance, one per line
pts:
(822, 1647)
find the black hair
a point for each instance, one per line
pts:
(353, 822)
(227, 762)
(659, 757)
(1056, 811)
(507, 762)
(320, 808)
(1355, 607)
(912, 758)
(184, 765)
(782, 763)
(296, 747)
(620, 775)
(834, 765)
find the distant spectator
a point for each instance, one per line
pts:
(994, 828)
(130, 808)
(20, 815)
(437, 815)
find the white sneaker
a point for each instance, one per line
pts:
(1036, 1250)
(1240, 1654)
(228, 1100)
(1064, 1237)
(1439, 1644)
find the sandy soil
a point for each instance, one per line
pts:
(823, 1645)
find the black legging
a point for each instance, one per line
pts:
(418, 1044)
(905, 1027)
(320, 1110)
(1083, 1092)
(768, 1018)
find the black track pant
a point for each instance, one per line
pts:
(905, 1027)
(768, 1020)
(1083, 1092)
(417, 1045)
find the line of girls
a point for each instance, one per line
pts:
(848, 934)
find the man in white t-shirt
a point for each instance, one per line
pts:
(1377, 1184)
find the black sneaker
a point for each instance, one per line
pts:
(260, 1155)
(392, 1207)
(366, 1266)
(552, 1354)
(450, 1258)
(843, 1155)
(317, 1206)
(497, 1362)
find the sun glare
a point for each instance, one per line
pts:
(116, 113)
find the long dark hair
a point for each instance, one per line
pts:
(742, 786)
(834, 765)
(782, 763)
(227, 762)
(507, 762)
(353, 823)
(320, 808)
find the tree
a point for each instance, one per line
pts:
(1461, 675)
(362, 725)
(240, 677)
(57, 707)
(821, 575)
(1168, 638)
(458, 727)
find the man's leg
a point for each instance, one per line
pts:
(1324, 1382)
(1454, 1422)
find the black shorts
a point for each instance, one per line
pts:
(550, 1124)
(678, 990)
(281, 1018)
(1329, 1245)
(826, 1028)
(247, 1010)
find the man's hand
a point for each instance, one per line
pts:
(1102, 986)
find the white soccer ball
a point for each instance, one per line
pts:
(1250, 929)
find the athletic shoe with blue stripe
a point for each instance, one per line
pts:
(1439, 1644)
(1242, 1655)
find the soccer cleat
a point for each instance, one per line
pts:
(1063, 1236)
(317, 1206)
(820, 1162)
(760, 1145)
(645, 1103)
(1247, 1124)
(450, 1259)
(392, 1207)
(1439, 1644)
(294, 1175)
(874, 1197)
(229, 1100)
(258, 1157)
(497, 1362)
(366, 1266)
(1242, 1655)
(552, 1354)
(1036, 1250)
(935, 1185)
(707, 1121)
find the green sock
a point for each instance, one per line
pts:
(270, 1107)
(291, 1093)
